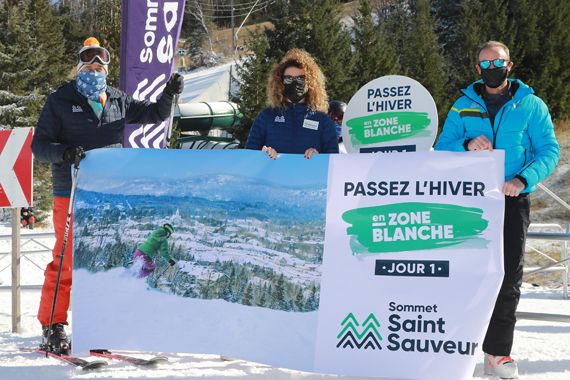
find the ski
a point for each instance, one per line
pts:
(85, 365)
(152, 362)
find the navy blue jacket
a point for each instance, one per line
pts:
(67, 120)
(293, 129)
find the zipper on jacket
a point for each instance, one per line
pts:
(501, 111)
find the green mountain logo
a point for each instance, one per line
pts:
(356, 336)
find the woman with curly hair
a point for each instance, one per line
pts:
(296, 119)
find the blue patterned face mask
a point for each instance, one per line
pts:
(91, 84)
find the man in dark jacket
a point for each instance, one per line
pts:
(81, 115)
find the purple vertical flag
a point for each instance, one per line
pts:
(149, 34)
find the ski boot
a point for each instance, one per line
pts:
(57, 342)
(503, 367)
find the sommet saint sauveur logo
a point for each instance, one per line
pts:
(410, 328)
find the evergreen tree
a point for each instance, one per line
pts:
(374, 56)
(18, 58)
(329, 43)
(49, 44)
(547, 61)
(108, 31)
(396, 18)
(314, 25)
(247, 295)
(252, 73)
(278, 294)
(448, 15)
(465, 45)
(425, 63)
(299, 300)
(312, 303)
(263, 298)
(498, 27)
(73, 33)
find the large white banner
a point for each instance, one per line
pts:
(412, 264)
(222, 252)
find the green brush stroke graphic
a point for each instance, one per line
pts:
(465, 223)
(369, 129)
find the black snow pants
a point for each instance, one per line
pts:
(499, 337)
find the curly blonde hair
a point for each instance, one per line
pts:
(316, 97)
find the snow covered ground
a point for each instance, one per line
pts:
(542, 348)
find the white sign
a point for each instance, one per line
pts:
(16, 168)
(390, 114)
(412, 265)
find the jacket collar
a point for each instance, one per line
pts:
(519, 89)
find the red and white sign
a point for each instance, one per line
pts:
(16, 168)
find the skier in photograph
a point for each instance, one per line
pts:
(156, 244)
(500, 113)
(83, 114)
(296, 120)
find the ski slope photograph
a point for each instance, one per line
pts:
(284, 189)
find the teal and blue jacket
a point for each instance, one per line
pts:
(522, 128)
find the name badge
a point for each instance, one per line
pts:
(311, 124)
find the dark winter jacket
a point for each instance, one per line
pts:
(156, 243)
(522, 128)
(293, 129)
(67, 120)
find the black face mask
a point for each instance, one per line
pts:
(295, 91)
(493, 78)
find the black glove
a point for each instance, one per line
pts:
(171, 262)
(175, 85)
(73, 155)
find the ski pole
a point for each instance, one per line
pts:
(162, 273)
(64, 244)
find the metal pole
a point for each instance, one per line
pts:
(233, 28)
(566, 273)
(233, 49)
(16, 310)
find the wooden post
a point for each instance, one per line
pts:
(16, 310)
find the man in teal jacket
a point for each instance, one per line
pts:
(156, 243)
(500, 113)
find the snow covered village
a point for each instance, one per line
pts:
(185, 189)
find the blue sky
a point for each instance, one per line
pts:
(288, 170)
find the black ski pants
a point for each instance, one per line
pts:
(499, 337)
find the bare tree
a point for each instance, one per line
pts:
(195, 9)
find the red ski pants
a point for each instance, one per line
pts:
(60, 209)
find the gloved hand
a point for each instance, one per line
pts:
(73, 155)
(175, 85)
(171, 262)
